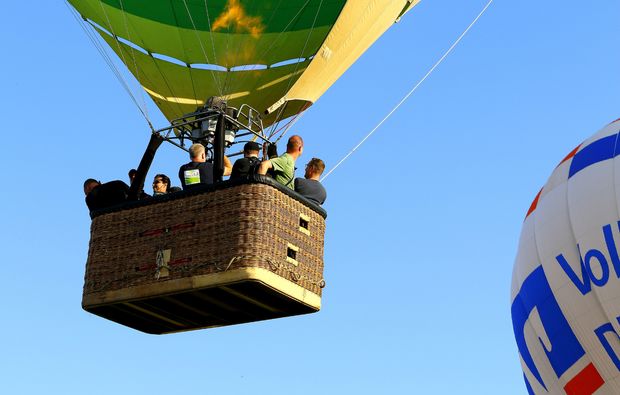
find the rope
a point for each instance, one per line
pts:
(274, 267)
(290, 124)
(411, 91)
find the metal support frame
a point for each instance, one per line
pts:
(219, 145)
(137, 184)
(208, 126)
(182, 131)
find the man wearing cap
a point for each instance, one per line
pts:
(247, 165)
(284, 165)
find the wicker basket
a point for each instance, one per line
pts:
(227, 254)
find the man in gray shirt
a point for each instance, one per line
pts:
(310, 187)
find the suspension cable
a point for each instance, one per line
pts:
(202, 48)
(121, 54)
(133, 56)
(232, 84)
(108, 60)
(291, 79)
(222, 86)
(275, 42)
(410, 92)
(290, 124)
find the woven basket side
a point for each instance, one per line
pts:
(250, 225)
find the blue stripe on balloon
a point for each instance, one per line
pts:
(597, 151)
(530, 391)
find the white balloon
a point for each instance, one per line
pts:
(566, 278)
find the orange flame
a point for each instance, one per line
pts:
(235, 18)
(245, 55)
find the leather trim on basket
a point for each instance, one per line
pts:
(254, 179)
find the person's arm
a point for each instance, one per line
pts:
(227, 166)
(265, 157)
(264, 167)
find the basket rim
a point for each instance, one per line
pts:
(202, 189)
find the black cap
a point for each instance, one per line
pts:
(251, 146)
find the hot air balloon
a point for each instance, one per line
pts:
(274, 57)
(566, 278)
(221, 71)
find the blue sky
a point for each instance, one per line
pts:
(423, 223)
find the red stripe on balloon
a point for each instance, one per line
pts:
(585, 382)
(570, 155)
(613, 122)
(534, 204)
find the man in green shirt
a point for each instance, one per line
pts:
(284, 165)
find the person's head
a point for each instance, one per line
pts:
(295, 146)
(197, 153)
(314, 169)
(161, 183)
(132, 175)
(250, 149)
(90, 184)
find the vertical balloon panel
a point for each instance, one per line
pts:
(565, 296)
